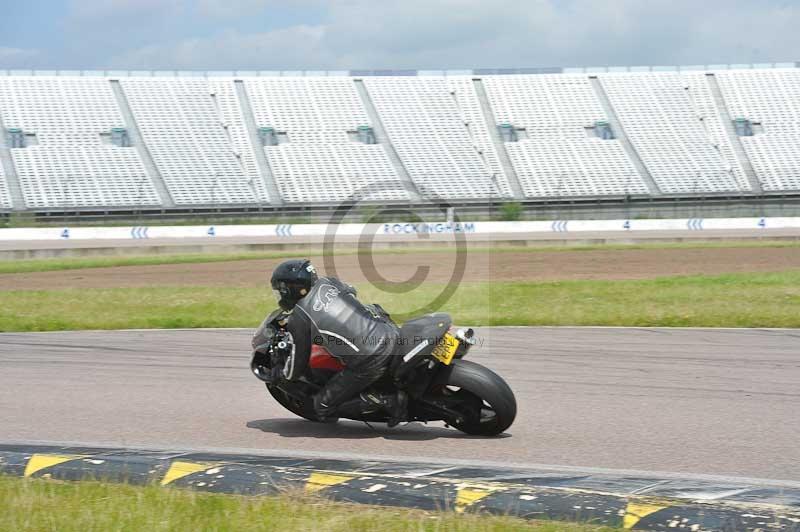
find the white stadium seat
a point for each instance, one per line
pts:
(325, 107)
(671, 120)
(558, 158)
(188, 143)
(67, 111)
(230, 112)
(434, 138)
(84, 176)
(469, 108)
(195, 142)
(320, 162)
(5, 199)
(772, 99)
(333, 172)
(69, 165)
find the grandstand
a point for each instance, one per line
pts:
(111, 142)
(768, 100)
(432, 137)
(312, 156)
(5, 199)
(556, 157)
(63, 124)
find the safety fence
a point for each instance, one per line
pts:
(398, 229)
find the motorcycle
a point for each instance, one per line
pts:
(428, 365)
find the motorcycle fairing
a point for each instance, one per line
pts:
(418, 336)
(262, 338)
(322, 359)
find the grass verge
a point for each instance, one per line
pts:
(48, 265)
(43, 265)
(735, 300)
(34, 504)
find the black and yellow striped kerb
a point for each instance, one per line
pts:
(629, 502)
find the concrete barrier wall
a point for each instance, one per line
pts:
(289, 232)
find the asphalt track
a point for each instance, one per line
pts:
(175, 245)
(721, 401)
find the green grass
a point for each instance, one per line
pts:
(43, 265)
(47, 265)
(42, 505)
(736, 300)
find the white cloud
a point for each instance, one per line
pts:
(17, 57)
(228, 9)
(462, 33)
(178, 10)
(429, 34)
(275, 50)
(122, 9)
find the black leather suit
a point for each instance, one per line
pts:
(361, 338)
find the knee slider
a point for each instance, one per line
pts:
(321, 407)
(371, 372)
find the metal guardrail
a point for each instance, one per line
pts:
(407, 72)
(708, 206)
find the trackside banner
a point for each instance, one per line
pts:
(290, 231)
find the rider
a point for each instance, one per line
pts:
(361, 336)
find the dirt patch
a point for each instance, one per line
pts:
(479, 266)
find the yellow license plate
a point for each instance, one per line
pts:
(445, 350)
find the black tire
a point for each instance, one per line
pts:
(305, 409)
(481, 384)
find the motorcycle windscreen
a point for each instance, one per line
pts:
(263, 335)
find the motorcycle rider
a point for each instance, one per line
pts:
(362, 337)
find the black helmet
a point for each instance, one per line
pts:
(292, 280)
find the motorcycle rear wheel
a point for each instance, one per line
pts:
(487, 403)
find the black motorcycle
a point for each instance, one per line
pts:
(428, 364)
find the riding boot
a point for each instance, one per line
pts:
(398, 408)
(396, 405)
(368, 403)
(338, 391)
(343, 387)
(356, 408)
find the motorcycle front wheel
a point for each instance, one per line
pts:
(304, 409)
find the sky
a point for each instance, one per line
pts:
(388, 34)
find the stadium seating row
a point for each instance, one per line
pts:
(432, 137)
(255, 140)
(672, 122)
(5, 199)
(558, 158)
(320, 162)
(770, 99)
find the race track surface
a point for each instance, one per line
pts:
(693, 401)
